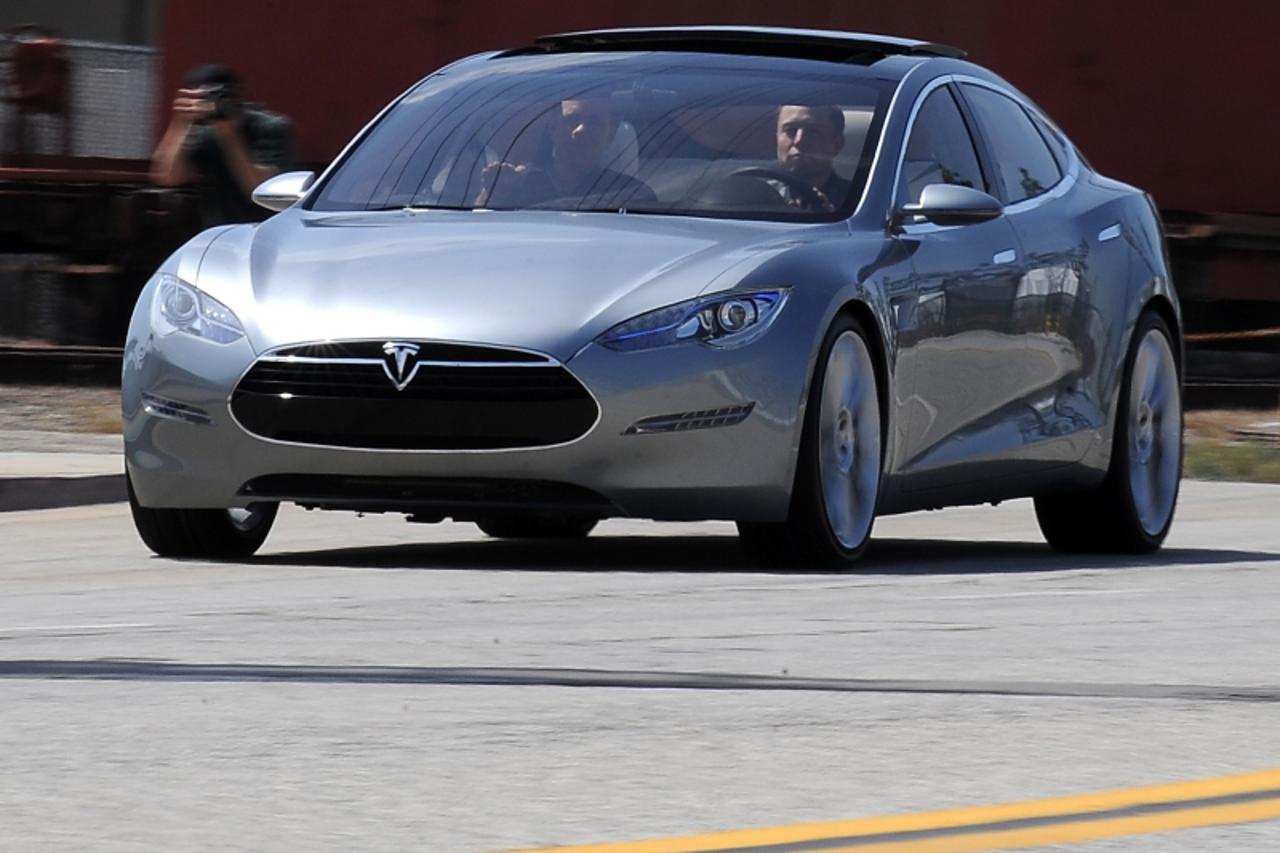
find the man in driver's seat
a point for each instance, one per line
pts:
(809, 138)
(573, 176)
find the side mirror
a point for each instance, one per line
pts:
(950, 204)
(281, 191)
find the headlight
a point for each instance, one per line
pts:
(180, 307)
(725, 319)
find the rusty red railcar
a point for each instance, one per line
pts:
(1171, 96)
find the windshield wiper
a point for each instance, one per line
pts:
(416, 207)
(622, 210)
(413, 207)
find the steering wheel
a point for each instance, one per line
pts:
(809, 197)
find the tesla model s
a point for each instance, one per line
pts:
(793, 279)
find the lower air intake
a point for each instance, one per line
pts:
(705, 419)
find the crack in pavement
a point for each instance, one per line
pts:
(145, 670)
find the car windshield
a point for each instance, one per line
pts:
(664, 133)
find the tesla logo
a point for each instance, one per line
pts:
(400, 361)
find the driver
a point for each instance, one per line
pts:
(581, 131)
(809, 138)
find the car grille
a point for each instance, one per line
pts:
(453, 397)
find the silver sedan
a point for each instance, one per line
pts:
(790, 278)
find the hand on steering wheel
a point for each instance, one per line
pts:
(515, 176)
(803, 194)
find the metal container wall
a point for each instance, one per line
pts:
(1172, 96)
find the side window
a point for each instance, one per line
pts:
(940, 150)
(1057, 144)
(1024, 162)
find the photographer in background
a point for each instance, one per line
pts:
(222, 145)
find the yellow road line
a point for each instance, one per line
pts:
(1074, 818)
(1085, 830)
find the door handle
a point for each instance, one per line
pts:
(1008, 256)
(1111, 232)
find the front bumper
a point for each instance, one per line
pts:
(727, 467)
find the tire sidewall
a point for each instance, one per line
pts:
(1120, 462)
(810, 499)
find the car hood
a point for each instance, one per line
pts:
(544, 281)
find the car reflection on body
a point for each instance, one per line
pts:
(693, 333)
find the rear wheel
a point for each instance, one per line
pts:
(538, 526)
(838, 482)
(218, 534)
(1132, 511)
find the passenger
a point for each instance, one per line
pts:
(809, 139)
(217, 142)
(581, 131)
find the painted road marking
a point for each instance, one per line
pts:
(1244, 798)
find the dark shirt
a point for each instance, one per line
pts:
(269, 138)
(834, 188)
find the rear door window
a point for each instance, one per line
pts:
(1056, 143)
(1025, 165)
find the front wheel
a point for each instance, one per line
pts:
(1132, 511)
(838, 481)
(216, 534)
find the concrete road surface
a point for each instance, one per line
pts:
(372, 685)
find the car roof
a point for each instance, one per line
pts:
(828, 45)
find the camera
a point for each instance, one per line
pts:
(223, 98)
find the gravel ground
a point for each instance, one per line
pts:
(59, 408)
(74, 409)
(1222, 445)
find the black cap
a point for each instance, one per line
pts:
(208, 76)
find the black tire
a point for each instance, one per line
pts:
(1108, 519)
(214, 534)
(538, 526)
(807, 540)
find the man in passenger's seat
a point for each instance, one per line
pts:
(573, 178)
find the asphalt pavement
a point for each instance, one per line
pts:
(370, 684)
